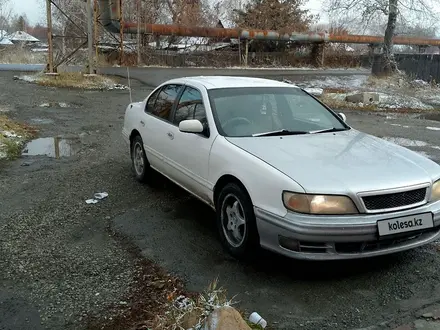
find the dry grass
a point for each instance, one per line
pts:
(13, 135)
(184, 312)
(19, 55)
(75, 80)
(338, 104)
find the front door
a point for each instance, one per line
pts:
(191, 151)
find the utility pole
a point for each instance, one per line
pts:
(121, 34)
(95, 27)
(90, 35)
(138, 36)
(49, 68)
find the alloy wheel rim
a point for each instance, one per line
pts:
(138, 158)
(233, 221)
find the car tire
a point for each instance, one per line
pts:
(140, 165)
(236, 222)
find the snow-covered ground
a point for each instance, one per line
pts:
(394, 93)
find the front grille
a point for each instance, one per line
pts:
(394, 200)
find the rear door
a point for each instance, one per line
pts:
(156, 126)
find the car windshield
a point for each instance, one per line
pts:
(270, 111)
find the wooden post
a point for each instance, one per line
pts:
(246, 52)
(49, 36)
(90, 35)
(95, 11)
(121, 34)
(138, 14)
(239, 51)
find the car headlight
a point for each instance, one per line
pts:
(319, 204)
(435, 192)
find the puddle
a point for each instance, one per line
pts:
(431, 116)
(54, 147)
(42, 121)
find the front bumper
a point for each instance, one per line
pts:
(340, 237)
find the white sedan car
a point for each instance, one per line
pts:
(282, 170)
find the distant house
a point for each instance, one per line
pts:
(22, 37)
(5, 42)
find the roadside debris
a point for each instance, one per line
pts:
(225, 318)
(211, 310)
(256, 318)
(97, 197)
(101, 195)
(362, 98)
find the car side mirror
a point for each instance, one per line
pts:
(343, 116)
(191, 126)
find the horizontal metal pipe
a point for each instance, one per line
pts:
(111, 20)
(398, 40)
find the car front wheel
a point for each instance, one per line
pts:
(236, 222)
(140, 164)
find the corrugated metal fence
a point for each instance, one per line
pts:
(417, 66)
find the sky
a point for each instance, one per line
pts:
(36, 13)
(35, 9)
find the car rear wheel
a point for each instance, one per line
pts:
(140, 164)
(236, 222)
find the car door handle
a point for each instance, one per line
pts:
(142, 123)
(170, 135)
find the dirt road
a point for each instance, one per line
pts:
(60, 262)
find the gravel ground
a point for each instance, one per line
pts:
(64, 263)
(59, 262)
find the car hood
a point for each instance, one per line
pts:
(341, 162)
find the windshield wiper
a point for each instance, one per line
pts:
(333, 129)
(281, 132)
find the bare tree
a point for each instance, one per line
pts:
(370, 13)
(5, 15)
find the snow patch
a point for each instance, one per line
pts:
(27, 78)
(314, 91)
(400, 101)
(398, 125)
(435, 147)
(344, 82)
(404, 142)
(425, 154)
(433, 128)
(117, 87)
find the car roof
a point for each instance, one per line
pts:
(213, 82)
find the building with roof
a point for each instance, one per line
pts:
(21, 37)
(5, 42)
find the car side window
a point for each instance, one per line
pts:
(165, 101)
(150, 103)
(190, 106)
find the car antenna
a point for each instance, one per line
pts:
(129, 84)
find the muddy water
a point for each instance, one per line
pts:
(55, 147)
(431, 116)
